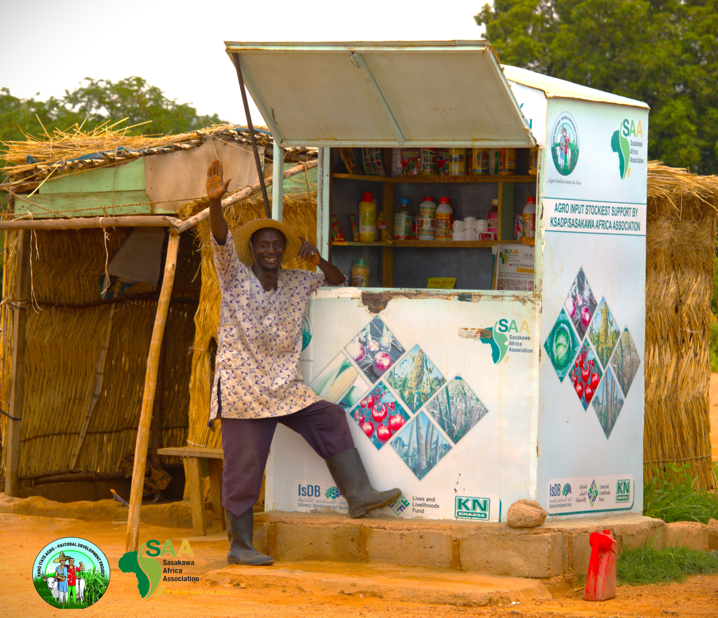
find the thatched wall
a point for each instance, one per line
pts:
(300, 212)
(680, 243)
(63, 346)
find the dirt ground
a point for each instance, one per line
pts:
(22, 537)
(714, 415)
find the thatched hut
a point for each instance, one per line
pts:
(84, 361)
(680, 246)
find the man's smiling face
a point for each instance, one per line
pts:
(268, 247)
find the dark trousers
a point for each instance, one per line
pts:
(246, 445)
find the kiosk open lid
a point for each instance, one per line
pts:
(388, 94)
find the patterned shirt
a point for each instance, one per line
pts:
(259, 340)
(71, 570)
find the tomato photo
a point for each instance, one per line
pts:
(379, 415)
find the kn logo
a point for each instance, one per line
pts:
(469, 507)
(623, 490)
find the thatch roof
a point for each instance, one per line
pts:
(677, 185)
(30, 161)
(680, 259)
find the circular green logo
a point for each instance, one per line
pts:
(564, 144)
(71, 573)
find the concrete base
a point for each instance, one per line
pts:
(384, 582)
(557, 550)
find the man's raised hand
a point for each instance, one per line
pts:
(216, 187)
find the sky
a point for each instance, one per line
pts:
(48, 46)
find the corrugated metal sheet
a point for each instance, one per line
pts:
(382, 94)
(560, 88)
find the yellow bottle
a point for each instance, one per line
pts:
(360, 274)
(367, 218)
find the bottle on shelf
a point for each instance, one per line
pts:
(493, 161)
(367, 218)
(494, 219)
(360, 274)
(507, 161)
(529, 218)
(403, 220)
(444, 219)
(457, 161)
(480, 162)
(427, 219)
(533, 161)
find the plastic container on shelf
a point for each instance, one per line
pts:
(428, 161)
(457, 161)
(480, 161)
(427, 219)
(494, 161)
(444, 219)
(404, 220)
(529, 218)
(360, 274)
(367, 218)
(518, 227)
(494, 219)
(507, 161)
(533, 161)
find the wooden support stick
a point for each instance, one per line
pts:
(158, 409)
(81, 223)
(79, 477)
(240, 195)
(148, 397)
(17, 371)
(99, 373)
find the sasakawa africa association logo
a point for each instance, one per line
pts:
(150, 571)
(565, 144)
(71, 573)
(625, 143)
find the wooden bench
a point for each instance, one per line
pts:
(196, 459)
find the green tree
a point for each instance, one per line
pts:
(135, 99)
(663, 52)
(95, 102)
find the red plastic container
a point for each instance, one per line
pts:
(601, 577)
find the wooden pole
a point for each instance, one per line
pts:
(158, 409)
(81, 223)
(148, 397)
(17, 371)
(99, 375)
(238, 66)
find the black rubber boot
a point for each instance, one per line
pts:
(349, 474)
(240, 531)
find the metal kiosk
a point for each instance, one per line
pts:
(471, 398)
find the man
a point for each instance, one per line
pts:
(61, 577)
(258, 379)
(72, 574)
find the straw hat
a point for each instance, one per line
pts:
(243, 235)
(61, 557)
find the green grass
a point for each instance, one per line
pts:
(95, 587)
(644, 565)
(678, 499)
